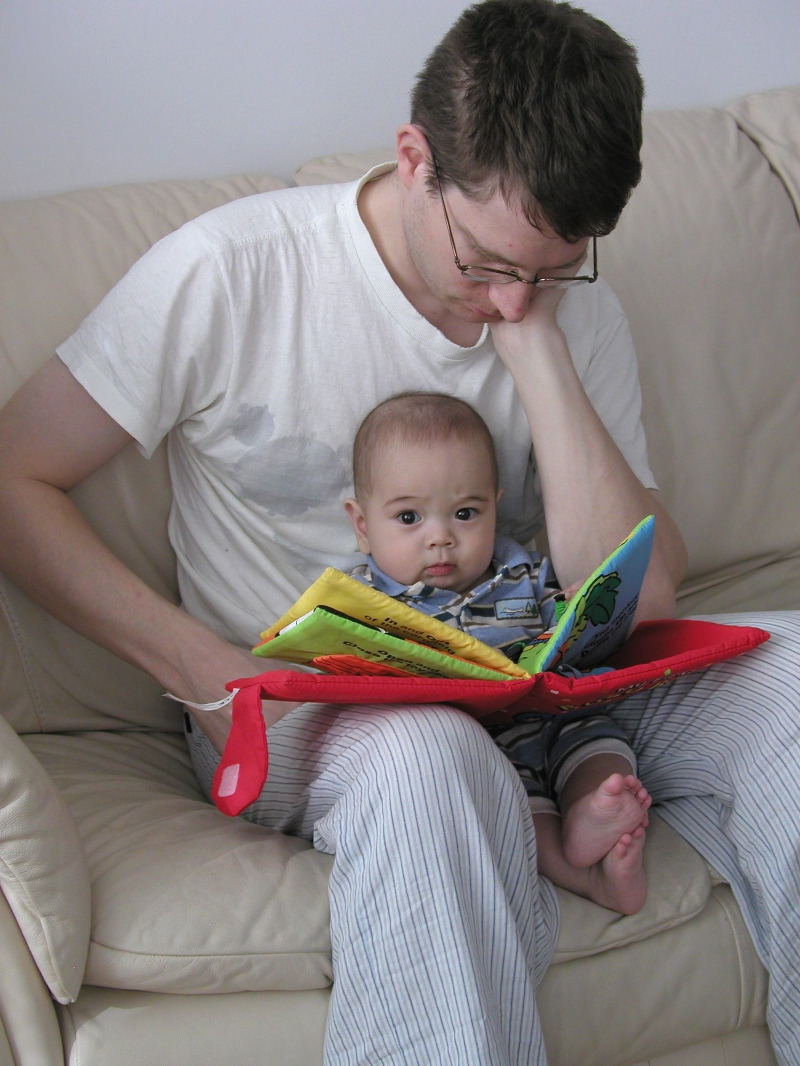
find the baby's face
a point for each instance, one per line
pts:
(431, 514)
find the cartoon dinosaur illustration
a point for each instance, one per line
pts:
(595, 607)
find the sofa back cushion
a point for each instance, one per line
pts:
(706, 261)
(58, 258)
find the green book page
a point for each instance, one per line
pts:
(323, 632)
(598, 617)
(343, 593)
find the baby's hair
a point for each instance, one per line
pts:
(426, 418)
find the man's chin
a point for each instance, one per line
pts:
(475, 314)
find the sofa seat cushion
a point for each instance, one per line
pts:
(699, 981)
(696, 985)
(185, 899)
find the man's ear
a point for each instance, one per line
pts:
(359, 523)
(413, 152)
(499, 494)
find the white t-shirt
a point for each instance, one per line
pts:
(257, 337)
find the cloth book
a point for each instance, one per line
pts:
(342, 626)
(357, 645)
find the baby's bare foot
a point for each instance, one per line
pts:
(618, 881)
(597, 821)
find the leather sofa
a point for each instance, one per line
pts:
(139, 925)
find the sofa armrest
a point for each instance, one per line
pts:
(43, 870)
(29, 1028)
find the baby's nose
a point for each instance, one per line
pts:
(441, 535)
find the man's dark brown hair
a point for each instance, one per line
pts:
(540, 101)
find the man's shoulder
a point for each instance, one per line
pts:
(269, 216)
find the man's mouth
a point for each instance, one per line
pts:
(482, 314)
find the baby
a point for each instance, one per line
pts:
(424, 513)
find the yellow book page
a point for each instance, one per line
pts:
(338, 590)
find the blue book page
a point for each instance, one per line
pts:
(597, 619)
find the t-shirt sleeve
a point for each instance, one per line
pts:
(157, 350)
(602, 349)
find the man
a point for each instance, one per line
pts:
(256, 338)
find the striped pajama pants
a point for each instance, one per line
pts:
(441, 928)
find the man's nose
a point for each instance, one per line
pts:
(511, 301)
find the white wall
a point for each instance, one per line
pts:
(102, 91)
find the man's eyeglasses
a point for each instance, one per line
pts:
(492, 276)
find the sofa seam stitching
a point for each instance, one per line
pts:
(16, 634)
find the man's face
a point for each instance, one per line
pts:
(489, 234)
(431, 513)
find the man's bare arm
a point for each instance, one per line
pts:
(52, 436)
(592, 498)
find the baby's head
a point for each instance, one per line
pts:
(426, 490)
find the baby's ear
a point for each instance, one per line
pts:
(359, 523)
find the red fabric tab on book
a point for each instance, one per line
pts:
(242, 770)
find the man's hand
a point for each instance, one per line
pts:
(208, 685)
(519, 344)
(517, 340)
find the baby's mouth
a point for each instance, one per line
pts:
(440, 569)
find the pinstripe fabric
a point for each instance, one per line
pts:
(720, 752)
(441, 929)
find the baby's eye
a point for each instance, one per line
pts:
(464, 514)
(408, 518)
